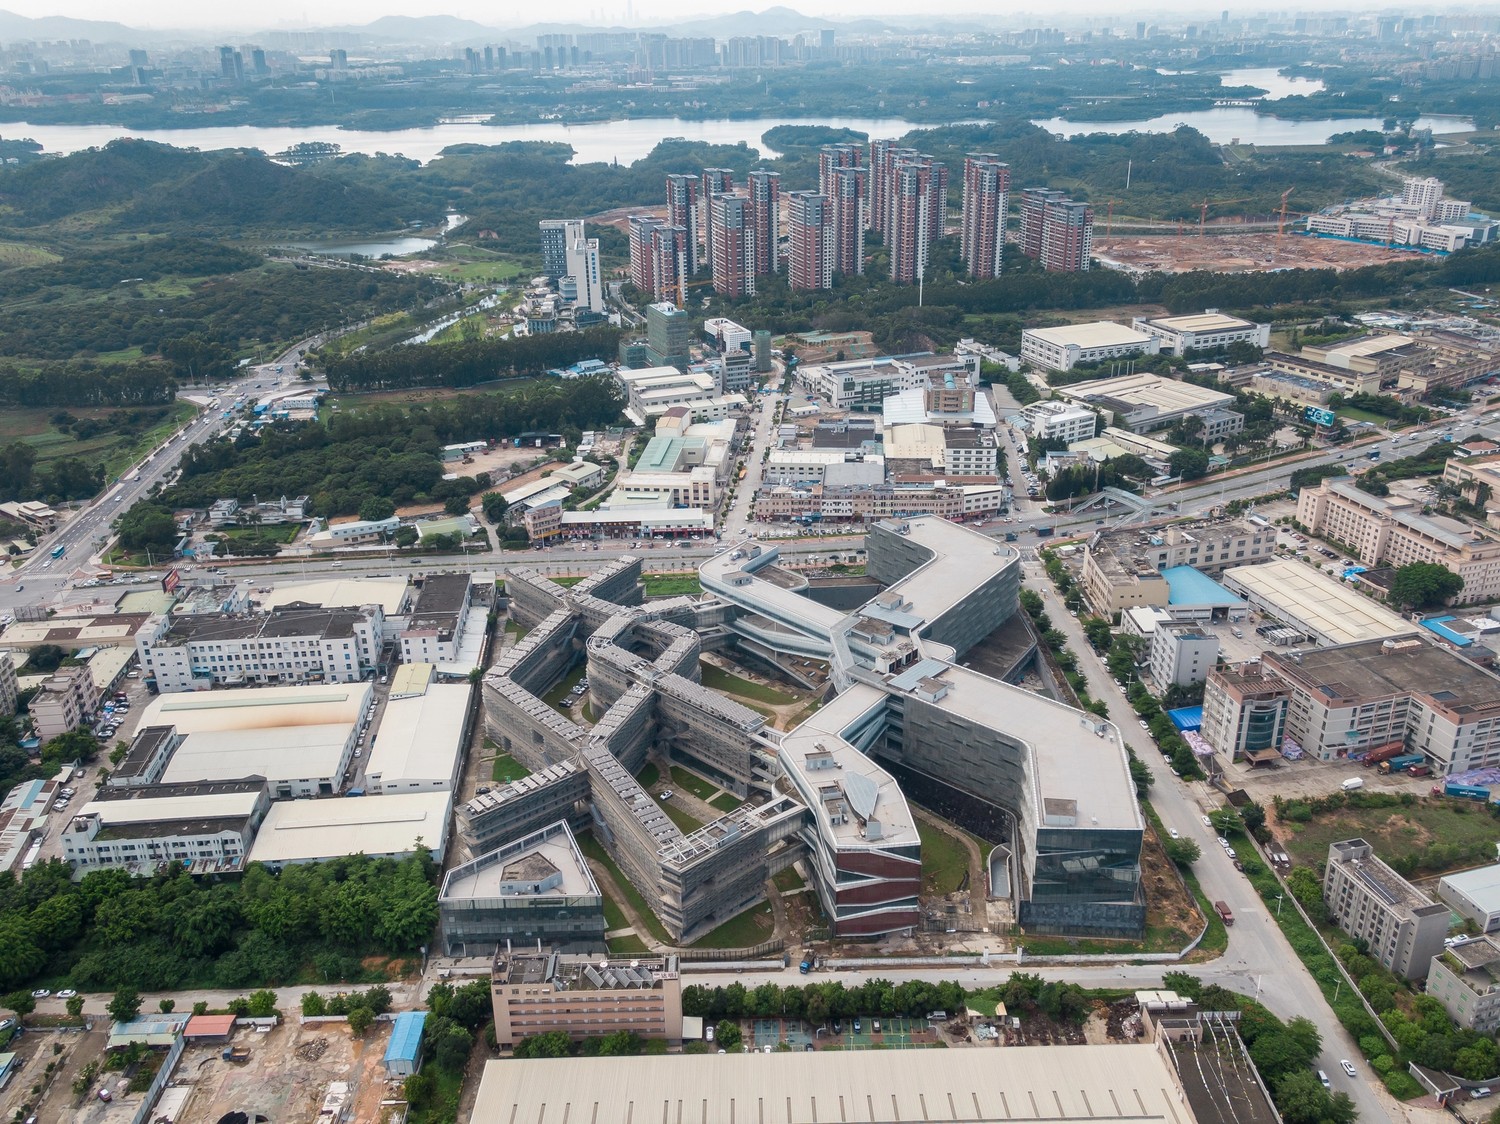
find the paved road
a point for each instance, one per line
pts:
(41, 578)
(1258, 957)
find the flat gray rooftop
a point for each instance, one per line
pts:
(1370, 669)
(963, 559)
(1129, 1083)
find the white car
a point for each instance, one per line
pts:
(1207, 822)
(66, 993)
(1174, 833)
(1348, 1067)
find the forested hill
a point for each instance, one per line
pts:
(131, 185)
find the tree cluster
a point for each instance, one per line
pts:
(818, 1002)
(171, 930)
(468, 363)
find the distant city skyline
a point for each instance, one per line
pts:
(290, 14)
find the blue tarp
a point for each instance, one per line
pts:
(1187, 717)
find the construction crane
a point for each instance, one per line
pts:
(1203, 211)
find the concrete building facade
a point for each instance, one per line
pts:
(1369, 900)
(538, 994)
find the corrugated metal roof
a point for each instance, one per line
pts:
(406, 1037)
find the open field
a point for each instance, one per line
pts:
(726, 802)
(116, 450)
(672, 585)
(1239, 253)
(687, 822)
(23, 253)
(1396, 833)
(695, 784)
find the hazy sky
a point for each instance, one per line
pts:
(292, 13)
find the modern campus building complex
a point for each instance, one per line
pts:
(904, 709)
(1063, 348)
(1182, 334)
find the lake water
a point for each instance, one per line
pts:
(597, 142)
(1245, 125)
(396, 246)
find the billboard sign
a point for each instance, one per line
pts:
(1319, 415)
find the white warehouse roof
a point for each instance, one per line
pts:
(258, 708)
(303, 831)
(420, 737)
(1100, 333)
(285, 753)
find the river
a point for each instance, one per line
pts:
(596, 142)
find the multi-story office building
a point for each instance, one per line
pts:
(642, 255)
(582, 262)
(1181, 655)
(1347, 700)
(918, 214)
(986, 205)
(434, 632)
(8, 689)
(765, 212)
(1059, 421)
(207, 827)
(194, 653)
(536, 890)
(66, 700)
(1392, 531)
(847, 196)
(713, 183)
(1244, 712)
(536, 993)
(557, 236)
(1182, 334)
(732, 235)
(668, 329)
(682, 211)
(1055, 230)
(1122, 569)
(1064, 347)
(810, 240)
(1465, 979)
(1369, 900)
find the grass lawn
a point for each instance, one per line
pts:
(1354, 413)
(567, 581)
(1394, 832)
(726, 802)
(945, 860)
(695, 784)
(649, 775)
(716, 678)
(680, 817)
(560, 689)
(755, 925)
(629, 945)
(984, 1001)
(280, 534)
(671, 585)
(614, 916)
(508, 769)
(595, 850)
(789, 879)
(512, 628)
(482, 271)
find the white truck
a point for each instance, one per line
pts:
(1352, 783)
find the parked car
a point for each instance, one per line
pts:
(66, 993)
(1348, 1067)
(40, 993)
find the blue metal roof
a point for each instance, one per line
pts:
(1187, 586)
(406, 1037)
(1187, 717)
(1438, 625)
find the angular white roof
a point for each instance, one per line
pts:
(298, 831)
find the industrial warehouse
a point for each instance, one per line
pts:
(828, 792)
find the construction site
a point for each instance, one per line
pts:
(1239, 251)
